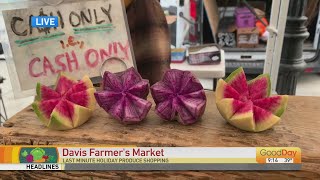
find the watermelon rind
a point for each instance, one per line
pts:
(222, 88)
(87, 81)
(244, 121)
(38, 90)
(283, 106)
(80, 115)
(226, 113)
(234, 74)
(265, 111)
(237, 80)
(51, 94)
(279, 104)
(36, 108)
(267, 122)
(75, 115)
(61, 120)
(56, 123)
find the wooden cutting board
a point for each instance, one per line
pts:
(299, 128)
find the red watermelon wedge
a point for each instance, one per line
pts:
(68, 106)
(248, 105)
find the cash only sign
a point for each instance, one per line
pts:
(75, 38)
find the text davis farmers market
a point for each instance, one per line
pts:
(113, 153)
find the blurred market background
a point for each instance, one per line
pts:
(211, 23)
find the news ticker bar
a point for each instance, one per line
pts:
(148, 158)
(153, 167)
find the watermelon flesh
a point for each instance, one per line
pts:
(68, 106)
(248, 105)
(179, 96)
(124, 95)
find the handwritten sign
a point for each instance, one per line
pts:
(88, 34)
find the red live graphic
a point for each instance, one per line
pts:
(69, 62)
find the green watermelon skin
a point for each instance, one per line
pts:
(248, 105)
(68, 106)
(40, 114)
(45, 93)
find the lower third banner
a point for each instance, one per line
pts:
(149, 158)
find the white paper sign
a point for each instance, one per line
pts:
(88, 34)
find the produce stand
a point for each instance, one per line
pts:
(299, 127)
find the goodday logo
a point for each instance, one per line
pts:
(38, 155)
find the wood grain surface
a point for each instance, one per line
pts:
(299, 127)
